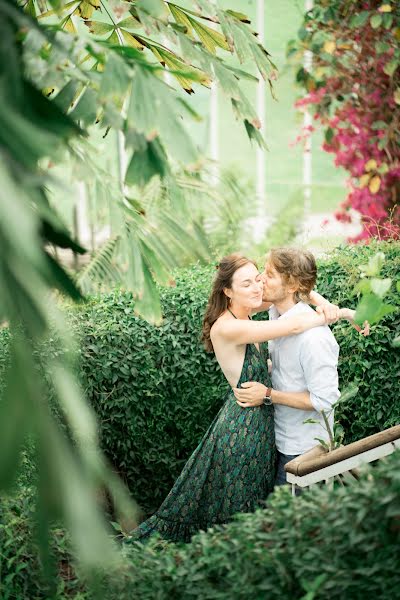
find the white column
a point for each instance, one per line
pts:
(260, 160)
(307, 122)
(122, 160)
(82, 220)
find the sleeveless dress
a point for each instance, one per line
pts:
(232, 469)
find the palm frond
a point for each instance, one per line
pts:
(100, 270)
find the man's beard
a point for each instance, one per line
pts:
(278, 296)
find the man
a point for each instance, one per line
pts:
(304, 366)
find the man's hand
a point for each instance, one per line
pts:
(252, 393)
(330, 312)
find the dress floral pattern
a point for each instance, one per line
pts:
(232, 469)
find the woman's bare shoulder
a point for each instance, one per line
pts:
(218, 327)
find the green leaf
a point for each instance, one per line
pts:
(116, 78)
(14, 423)
(149, 306)
(58, 278)
(148, 95)
(67, 95)
(349, 392)
(209, 37)
(181, 17)
(376, 21)
(323, 443)
(135, 274)
(70, 7)
(239, 16)
(254, 134)
(360, 19)
(100, 28)
(86, 108)
(380, 287)
(329, 133)
(100, 267)
(30, 8)
(160, 273)
(129, 23)
(312, 421)
(396, 342)
(391, 67)
(379, 125)
(363, 287)
(374, 266)
(154, 8)
(131, 40)
(147, 163)
(382, 47)
(387, 20)
(371, 308)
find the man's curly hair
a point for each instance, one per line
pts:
(296, 267)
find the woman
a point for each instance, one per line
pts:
(233, 468)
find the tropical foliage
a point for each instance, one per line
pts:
(353, 90)
(66, 67)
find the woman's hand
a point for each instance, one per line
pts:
(348, 314)
(330, 312)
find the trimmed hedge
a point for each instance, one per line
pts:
(155, 390)
(340, 544)
(372, 363)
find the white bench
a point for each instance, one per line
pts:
(319, 465)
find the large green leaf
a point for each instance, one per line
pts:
(372, 308)
(147, 163)
(154, 109)
(116, 77)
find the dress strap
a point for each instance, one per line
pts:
(235, 315)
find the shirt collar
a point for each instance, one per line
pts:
(299, 307)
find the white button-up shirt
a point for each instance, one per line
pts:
(307, 361)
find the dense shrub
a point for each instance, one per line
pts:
(341, 544)
(155, 390)
(21, 570)
(373, 363)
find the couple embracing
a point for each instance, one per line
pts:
(260, 426)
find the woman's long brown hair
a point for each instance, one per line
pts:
(218, 302)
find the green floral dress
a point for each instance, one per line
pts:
(232, 469)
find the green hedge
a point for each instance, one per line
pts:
(373, 363)
(340, 544)
(155, 390)
(21, 573)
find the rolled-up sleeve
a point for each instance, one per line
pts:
(319, 362)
